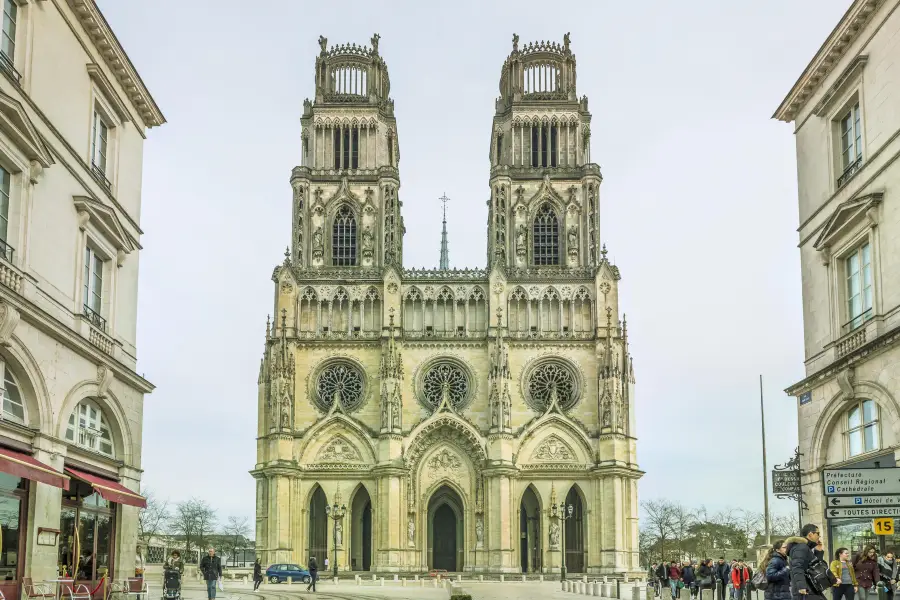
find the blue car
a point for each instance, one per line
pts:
(279, 573)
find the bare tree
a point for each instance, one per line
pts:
(153, 518)
(660, 522)
(235, 531)
(682, 520)
(206, 522)
(193, 520)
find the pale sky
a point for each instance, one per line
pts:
(698, 206)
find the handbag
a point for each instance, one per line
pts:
(819, 576)
(759, 580)
(706, 581)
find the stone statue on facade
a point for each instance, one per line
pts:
(367, 241)
(554, 534)
(479, 530)
(375, 39)
(411, 530)
(515, 42)
(338, 534)
(318, 245)
(572, 239)
(521, 239)
(395, 415)
(323, 43)
(566, 41)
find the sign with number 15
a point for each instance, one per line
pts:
(883, 526)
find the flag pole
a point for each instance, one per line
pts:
(762, 415)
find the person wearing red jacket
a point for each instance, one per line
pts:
(740, 577)
(674, 578)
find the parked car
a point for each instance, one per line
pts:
(279, 573)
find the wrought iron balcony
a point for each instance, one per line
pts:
(100, 175)
(6, 64)
(94, 318)
(857, 321)
(7, 252)
(849, 172)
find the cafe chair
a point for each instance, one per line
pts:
(69, 589)
(36, 591)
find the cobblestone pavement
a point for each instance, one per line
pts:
(345, 590)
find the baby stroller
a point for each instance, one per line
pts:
(171, 584)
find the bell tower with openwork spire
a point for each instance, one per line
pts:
(544, 208)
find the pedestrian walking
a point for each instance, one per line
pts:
(675, 582)
(257, 575)
(723, 576)
(778, 574)
(211, 568)
(740, 577)
(689, 578)
(867, 573)
(802, 555)
(706, 578)
(313, 568)
(887, 568)
(842, 568)
(662, 577)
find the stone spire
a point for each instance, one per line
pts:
(445, 252)
(279, 382)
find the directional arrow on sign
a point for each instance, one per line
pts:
(864, 511)
(864, 501)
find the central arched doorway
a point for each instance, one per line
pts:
(575, 554)
(361, 531)
(446, 529)
(317, 541)
(530, 532)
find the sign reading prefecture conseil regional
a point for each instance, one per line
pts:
(854, 482)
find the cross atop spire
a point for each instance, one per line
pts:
(445, 252)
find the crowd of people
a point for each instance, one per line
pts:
(792, 569)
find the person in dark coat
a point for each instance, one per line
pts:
(867, 573)
(778, 574)
(689, 577)
(211, 568)
(801, 553)
(257, 575)
(313, 568)
(662, 576)
(706, 577)
(723, 576)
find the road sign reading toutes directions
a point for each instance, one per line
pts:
(869, 512)
(839, 501)
(859, 482)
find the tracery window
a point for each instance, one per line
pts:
(445, 377)
(89, 429)
(13, 408)
(343, 238)
(546, 237)
(339, 381)
(548, 378)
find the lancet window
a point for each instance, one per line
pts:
(444, 314)
(546, 237)
(340, 315)
(550, 315)
(343, 238)
(346, 147)
(544, 146)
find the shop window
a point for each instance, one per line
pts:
(13, 506)
(862, 428)
(88, 428)
(87, 524)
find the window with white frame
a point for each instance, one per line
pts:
(858, 271)
(88, 428)
(4, 205)
(99, 142)
(8, 35)
(862, 428)
(850, 131)
(93, 281)
(13, 408)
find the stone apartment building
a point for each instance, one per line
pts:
(845, 109)
(74, 115)
(468, 420)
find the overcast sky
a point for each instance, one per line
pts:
(698, 206)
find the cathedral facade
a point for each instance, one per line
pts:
(476, 420)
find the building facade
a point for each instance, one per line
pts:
(447, 417)
(846, 125)
(73, 119)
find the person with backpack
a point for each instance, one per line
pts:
(887, 568)
(802, 556)
(777, 574)
(867, 573)
(842, 568)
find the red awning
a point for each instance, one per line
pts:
(22, 465)
(109, 489)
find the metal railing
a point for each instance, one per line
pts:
(6, 64)
(857, 321)
(850, 171)
(94, 318)
(7, 252)
(100, 175)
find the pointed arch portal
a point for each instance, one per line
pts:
(361, 531)
(318, 527)
(575, 554)
(445, 530)
(530, 548)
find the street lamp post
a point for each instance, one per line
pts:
(566, 512)
(336, 513)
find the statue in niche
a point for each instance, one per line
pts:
(521, 239)
(572, 238)
(338, 534)
(367, 241)
(323, 43)
(285, 417)
(396, 415)
(554, 533)
(495, 413)
(606, 421)
(479, 530)
(411, 530)
(318, 245)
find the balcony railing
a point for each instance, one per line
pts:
(7, 252)
(6, 64)
(850, 171)
(857, 321)
(327, 334)
(430, 333)
(94, 318)
(100, 175)
(565, 334)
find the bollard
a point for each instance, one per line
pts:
(358, 580)
(684, 593)
(417, 577)
(404, 582)
(541, 578)
(434, 582)
(523, 579)
(562, 585)
(374, 578)
(597, 588)
(381, 582)
(290, 580)
(421, 583)
(639, 591)
(502, 578)
(481, 578)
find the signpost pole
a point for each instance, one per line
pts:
(762, 418)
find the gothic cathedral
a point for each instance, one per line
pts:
(476, 420)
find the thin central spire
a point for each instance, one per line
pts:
(445, 252)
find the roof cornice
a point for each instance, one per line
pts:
(834, 48)
(106, 42)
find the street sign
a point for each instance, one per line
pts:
(864, 512)
(883, 526)
(838, 501)
(805, 398)
(860, 482)
(786, 482)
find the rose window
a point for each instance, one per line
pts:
(341, 382)
(549, 378)
(445, 378)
